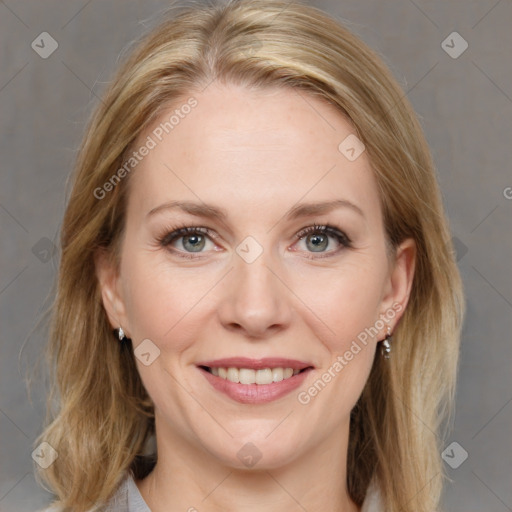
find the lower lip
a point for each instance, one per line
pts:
(255, 393)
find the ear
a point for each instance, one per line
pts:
(399, 284)
(109, 282)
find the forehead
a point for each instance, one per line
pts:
(250, 148)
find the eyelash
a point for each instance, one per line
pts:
(173, 233)
(326, 229)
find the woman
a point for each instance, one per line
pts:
(255, 215)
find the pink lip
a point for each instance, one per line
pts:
(255, 393)
(256, 364)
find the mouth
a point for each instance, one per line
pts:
(255, 381)
(248, 376)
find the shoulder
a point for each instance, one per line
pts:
(373, 501)
(118, 502)
(51, 508)
(58, 508)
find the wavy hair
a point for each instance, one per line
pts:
(100, 418)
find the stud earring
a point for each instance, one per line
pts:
(120, 334)
(386, 344)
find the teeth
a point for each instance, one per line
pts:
(246, 376)
(277, 374)
(263, 376)
(250, 376)
(233, 375)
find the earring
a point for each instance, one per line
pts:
(386, 344)
(120, 334)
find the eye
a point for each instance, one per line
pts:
(188, 240)
(323, 239)
(191, 241)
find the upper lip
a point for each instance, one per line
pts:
(256, 364)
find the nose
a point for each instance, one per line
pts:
(254, 301)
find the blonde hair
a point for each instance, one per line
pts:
(104, 418)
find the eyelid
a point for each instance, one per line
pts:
(172, 233)
(327, 229)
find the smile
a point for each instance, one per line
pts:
(250, 376)
(255, 381)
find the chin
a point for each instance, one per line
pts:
(257, 452)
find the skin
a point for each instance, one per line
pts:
(256, 154)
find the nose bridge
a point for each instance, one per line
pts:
(251, 264)
(254, 300)
(255, 278)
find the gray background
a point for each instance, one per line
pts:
(465, 105)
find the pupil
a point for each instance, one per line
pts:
(319, 242)
(196, 243)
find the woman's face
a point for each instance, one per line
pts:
(258, 288)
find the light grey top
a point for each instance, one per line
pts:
(128, 499)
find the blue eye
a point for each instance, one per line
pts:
(193, 243)
(188, 240)
(318, 239)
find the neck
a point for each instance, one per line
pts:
(186, 478)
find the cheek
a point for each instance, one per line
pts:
(344, 302)
(344, 307)
(347, 308)
(159, 299)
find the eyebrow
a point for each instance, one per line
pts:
(301, 210)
